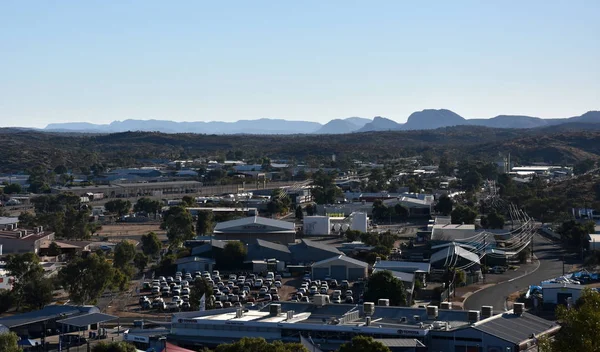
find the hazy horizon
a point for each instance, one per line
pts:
(99, 62)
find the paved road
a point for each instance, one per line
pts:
(551, 265)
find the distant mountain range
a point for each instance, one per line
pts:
(421, 120)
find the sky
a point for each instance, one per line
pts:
(100, 61)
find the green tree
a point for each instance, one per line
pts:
(120, 346)
(179, 225)
(363, 344)
(472, 180)
(124, 253)
(324, 190)
(401, 211)
(369, 238)
(352, 235)
(259, 344)
(54, 249)
(280, 202)
(383, 284)
(583, 166)
(9, 342)
(205, 222)
(463, 214)
(12, 188)
(39, 180)
(7, 300)
(38, 293)
(579, 325)
(232, 256)
(85, 279)
(147, 205)
(60, 169)
(151, 245)
(311, 209)
(140, 261)
(26, 269)
(299, 213)
(201, 287)
(444, 205)
(575, 233)
(493, 221)
(188, 201)
(118, 206)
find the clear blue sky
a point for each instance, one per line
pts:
(99, 61)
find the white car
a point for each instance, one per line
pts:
(323, 290)
(278, 284)
(313, 290)
(185, 291)
(258, 283)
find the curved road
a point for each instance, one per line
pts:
(551, 265)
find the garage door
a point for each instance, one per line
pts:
(356, 273)
(320, 273)
(338, 272)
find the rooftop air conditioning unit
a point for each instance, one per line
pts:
(369, 308)
(275, 309)
(473, 316)
(518, 308)
(239, 313)
(383, 302)
(432, 312)
(445, 305)
(487, 311)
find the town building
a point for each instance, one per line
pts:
(340, 268)
(251, 228)
(17, 240)
(193, 264)
(328, 326)
(561, 293)
(261, 250)
(308, 251)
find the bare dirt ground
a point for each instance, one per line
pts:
(120, 230)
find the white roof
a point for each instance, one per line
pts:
(393, 265)
(594, 237)
(343, 258)
(452, 251)
(255, 220)
(8, 220)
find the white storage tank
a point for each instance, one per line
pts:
(359, 222)
(317, 225)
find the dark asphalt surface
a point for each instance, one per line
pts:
(551, 266)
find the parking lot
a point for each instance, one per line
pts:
(172, 293)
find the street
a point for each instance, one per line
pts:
(551, 265)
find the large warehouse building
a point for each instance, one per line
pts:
(251, 228)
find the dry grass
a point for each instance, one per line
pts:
(119, 230)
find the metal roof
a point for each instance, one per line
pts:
(514, 328)
(87, 319)
(258, 220)
(319, 245)
(408, 267)
(273, 245)
(404, 277)
(47, 313)
(342, 258)
(452, 251)
(401, 342)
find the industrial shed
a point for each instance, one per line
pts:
(308, 251)
(262, 249)
(340, 268)
(455, 255)
(560, 293)
(251, 228)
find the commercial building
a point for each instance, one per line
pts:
(456, 254)
(136, 189)
(308, 251)
(8, 223)
(340, 268)
(561, 293)
(316, 225)
(17, 240)
(404, 267)
(251, 228)
(452, 232)
(328, 326)
(193, 264)
(261, 249)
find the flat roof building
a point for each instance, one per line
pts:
(20, 240)
(330, 325)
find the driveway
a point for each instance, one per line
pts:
(550, 266)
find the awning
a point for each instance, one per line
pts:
(87, 319)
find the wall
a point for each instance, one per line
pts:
(316, 225)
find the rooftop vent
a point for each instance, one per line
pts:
(289, 314)
(275, 309)
(368, 321)
(445, 305)
(518, 308)
(487, 311)
(383, 302)
(473, 316)
(239, 313)
(369, 308)
(432, 312)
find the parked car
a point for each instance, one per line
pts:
(278, 284)
(323, 290)
(345, 284)
(218, 304)
(313, 290)
(349, 299)
(186, 305)
(333, 283)
(498, 269)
